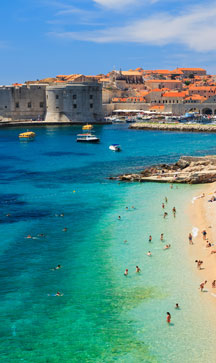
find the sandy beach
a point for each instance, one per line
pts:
(202, 214)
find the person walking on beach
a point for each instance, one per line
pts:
(168, 318)
(199, 264)
(161, 236)
(150, 238)
(190, 237)
(174, 211)
(214, 283)
(202, 285)
(204, 233)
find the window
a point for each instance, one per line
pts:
(74, 106)
(91, 97)
(57, 97)
(91, 105)
(41, 104)
(74, 97)
(29, 104)
(17, 104)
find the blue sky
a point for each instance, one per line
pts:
(41, 38)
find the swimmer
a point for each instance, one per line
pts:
(202, 285)
(150, 238)
(161, 236)
(149, 253)
(214, 283)
(168, 319)
(190, 238)
(8, 215)
(163, 205)
(119, 217)
(64, 229)
(133, 207)
(29, 236)
(165, 214)
(58, 267)
(126, 272)
(125, 241)
(126, 208)
(174, 211)
(137, 269)
(166, 200)
(58, 293)
(166, 247)
(41, 235)
(177, 306)
(62, 215)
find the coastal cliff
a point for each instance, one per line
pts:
(173, 127)
(188, 169)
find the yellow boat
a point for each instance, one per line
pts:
(28, 135)
(87, 127)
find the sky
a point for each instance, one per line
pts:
(44, 38)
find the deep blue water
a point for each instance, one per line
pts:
(52, 175)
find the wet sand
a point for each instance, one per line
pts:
(203, 217)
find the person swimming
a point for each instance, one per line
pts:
(149, 253)
(177, 306)
(138, 269)
(166, 247)
(119, 217)
(126, 272)
(65, 229)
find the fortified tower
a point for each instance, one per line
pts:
(75, 103)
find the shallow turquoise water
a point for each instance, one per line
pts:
(103, 316)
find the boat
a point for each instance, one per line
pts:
(28, 135)
(87, 138)
(115, 147)
(87, 127)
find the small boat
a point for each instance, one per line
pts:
(28, 135)
(87, 127)
(87, 138)
(115, 147)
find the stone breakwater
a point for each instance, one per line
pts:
(173, 127)
(188, 169)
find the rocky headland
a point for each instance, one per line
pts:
(173, 127)
(188, 169)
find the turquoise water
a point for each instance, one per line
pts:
(102, 316)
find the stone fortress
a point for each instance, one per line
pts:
(70, 102)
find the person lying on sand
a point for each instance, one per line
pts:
(208, 244)
(214, 251)
(199, 264)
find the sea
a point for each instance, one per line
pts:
(58, 192)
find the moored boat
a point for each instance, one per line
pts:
(87, 138)
(87, 127)
(28, 135)
(115, 147)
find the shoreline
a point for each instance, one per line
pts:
(173, 127)
(5, 124)
(202, 214)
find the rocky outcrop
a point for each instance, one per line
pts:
(188, 169)
(173, 127)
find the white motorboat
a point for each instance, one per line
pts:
(87, 138)
(115, 147)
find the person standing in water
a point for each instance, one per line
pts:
(190, 237)
(137, 269)
(166, 200)
(161, 236)
(150, 238)
(168, 319)
(174, 211)
(126, 272)
(163, 205)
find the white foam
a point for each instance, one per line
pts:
(195, 231)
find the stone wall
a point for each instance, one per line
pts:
(75, 102)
